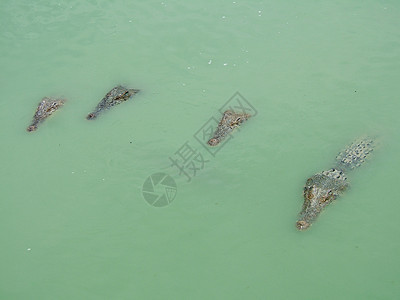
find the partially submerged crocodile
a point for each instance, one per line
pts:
(45, 108)
(116, 96)
(230, 120)
(322, 188)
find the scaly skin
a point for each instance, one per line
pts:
(322, 188)
(230, 120)
(116, 96)
(45, 108)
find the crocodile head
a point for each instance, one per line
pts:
(230, 120)
(116, 96)
(45, 108)
(32, 128)
(123, 94)
(320, 190)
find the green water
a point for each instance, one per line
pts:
(74, 223)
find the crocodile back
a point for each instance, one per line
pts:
(354, 154)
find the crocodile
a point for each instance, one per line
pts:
(230, 120)
(324, 187)
(116, 96)
(45, 108)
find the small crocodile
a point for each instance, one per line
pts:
(324, 187)
(45, 108)
(116, 96)
(230, 120)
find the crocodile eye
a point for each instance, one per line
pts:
(309, 195)
(329, 197)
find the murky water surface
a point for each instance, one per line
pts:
(317, 74)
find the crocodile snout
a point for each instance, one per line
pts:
(302, 225)
(91, 116)
(213, 142)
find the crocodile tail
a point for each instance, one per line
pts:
(355, 154)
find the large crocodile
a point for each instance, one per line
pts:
(116, 96)
(45, 108)
(230, 120)
(322, 188)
